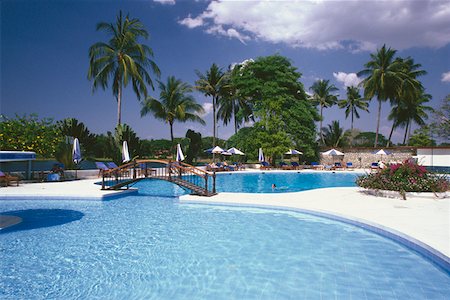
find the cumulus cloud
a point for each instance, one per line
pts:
(351, 24)
(208, 107)
(169, 2)
(445, 77)
(348, 79)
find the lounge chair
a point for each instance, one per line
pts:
(316, 166)
(374, 167)
(101, 167)
(285, 166)
(338, 166)
(7, 179)
(350, 165)
(295, 165)
(111, 165)
(265, 166)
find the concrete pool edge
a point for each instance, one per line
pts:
(437, 257)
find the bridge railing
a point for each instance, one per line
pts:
(173, 171)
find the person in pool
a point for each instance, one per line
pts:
(274, 186)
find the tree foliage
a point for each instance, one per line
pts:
(29, 133)
(284, 117)
(194, 147)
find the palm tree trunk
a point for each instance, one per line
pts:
(171, 138)
(378, 123)
(390, 134)
(214, 121)
(406, 131)
(119, 105)
(351, 127)
(320, 126)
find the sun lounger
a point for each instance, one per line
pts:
(350, 165)
(265, 166)
(101, 167)
(374, 167)
(295, 165)
(338, 166)
(285, 166)
(111, 165)
(7, 179)
(316, 166)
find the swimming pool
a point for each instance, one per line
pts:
(146, 246)
(261, 182)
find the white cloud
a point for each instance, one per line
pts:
(445, 77)
(208, 107)
(348, 79)
(169, 2)
(191, 22)
(351, 24)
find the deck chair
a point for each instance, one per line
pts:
(316, 166)
(7, 179)
(111, 165)
(338, 165)
(295, 165)
(374, 167)
(285, 166)
(350, 165)
(101, 167)
(265, 166)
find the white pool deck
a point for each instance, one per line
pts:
(424, 219)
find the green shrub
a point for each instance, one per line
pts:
(405, 177)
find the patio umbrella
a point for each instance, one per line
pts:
(76, 153)
(293, 152)
(125, 153)
(332, 152)
(235, 151)
(260, 155)
(180, 155)
(217, 150)
(382, 152)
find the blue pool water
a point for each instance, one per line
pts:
(152, 247)
(285, 181)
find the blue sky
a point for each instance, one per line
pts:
(44, 51)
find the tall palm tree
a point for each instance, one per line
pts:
(383, 79)
(122, 59)
(175, 104)
(322, 96)
(409, 93)
(353, 102)
(231, 106)
(211, 84)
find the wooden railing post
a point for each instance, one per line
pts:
(169, 168)
(103, 180)
(134, 170)
(214, 182)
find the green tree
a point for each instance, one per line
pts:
(175, 104)
(122, 133)
(284, 117)
(353, 102)
(246, 140)
(421, 138)
(323, 97)
(194, 147)
(29, 133)
(367, 139)
(383, 79)
(211, 84)
(333, 135)
(122, 59)
(441, 124)
(230, 105)
(72, 128)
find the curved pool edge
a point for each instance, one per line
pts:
(437, 257)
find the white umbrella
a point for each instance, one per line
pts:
(235, 151)
(333, 152)
(226, 153)
(382, 152)
(125, 153)
(180, 155)
(293, 152)
(76, 153)
(217, 150)
(260, 155)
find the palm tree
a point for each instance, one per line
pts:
(122, 59)
(410, 91)
(176, 104)
(322, 96)
(353, 102)
(231, 106)
(211, 84)
(333, 135)
(383, 79)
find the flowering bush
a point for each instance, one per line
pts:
(405, 177)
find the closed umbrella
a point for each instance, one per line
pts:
(180, 155)
(125, 153)
(76, 153)
(261, 155)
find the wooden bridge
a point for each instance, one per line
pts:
(197, 180)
